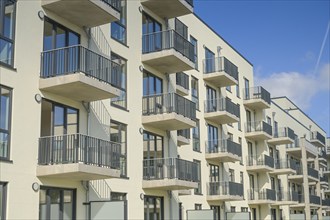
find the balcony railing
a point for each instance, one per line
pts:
(323, 179)
(225, 189)
(312, 172)
(263, 160)
(256, 126)
(301, 198)
(168, 103)
(170, 168)
(315, 135)
(182, 79)
(284, 132)
(314, 199)
(223, 146)
(256, 93)
(115, 4)
(184, 133)
(285, 164)
(70, 60)
(79, 148)
(326, 202)
(286, 196)
(223, 104)
(220, 64)
(295, 196)
(169, 39)
(264, 194)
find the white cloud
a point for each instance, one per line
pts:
(299, 87)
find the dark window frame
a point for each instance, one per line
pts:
(198, 190)
(161, 204)
(121, 24)
(155, 139)
(193, 39)
(8, 131)
(195, 98)
(149, 74)
(196, 139)
(122, 125)
(3, 200)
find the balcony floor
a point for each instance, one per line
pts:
(280, 203)
(284, 171)
(261, 202)
(317, 143)
(257, 136)
(259, 168)
(220, 79)
(256, 104)
(296, 178)
(222, 157)
(220, 117)
(165, 9)
(219, 198)
(168, 184)
(280, 141)
(168, 121)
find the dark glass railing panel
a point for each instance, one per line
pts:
(285, 164)
(264, 194)
(312, 172)
(254, 126)
(168, 103)
(79, 148)
(223, 104)
(220, 64)
(256, 93)
(284, 132)
(324, 179)
(225, 188)
(326, 202)
(184, 133)
(314, 199)
(295, 196)
(315, 135)
(182, 79)
(115, 4)
(223, 146)
(263, 160)
(301, 198)
(269, 161)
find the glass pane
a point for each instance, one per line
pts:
(67, 206)
(73, 39)
(9, 21)
(60, 38)
(4, 141)
(4, 108)
(72, 121)
(58, 120)
(6, 49)
(48, 36)
(118, 32)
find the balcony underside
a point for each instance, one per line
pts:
(222, 157)
(184, 192)
(220, 117)
(317, 143)
(280, 141)
(78, 87)
(168, 184)
(294, 152)
(296, 178)
(168, 9)
(259, 168)
(283, 171)
(223, 198)
(257, 136)
(76, 171)
(324, 183)
(256, 104)
(167, 61)
(84, 13)
(182, 91)
(260, 202)
(182, 141)
(327, 191)
(220, 79)
(168, 121)
(280, 203)
(327, 172)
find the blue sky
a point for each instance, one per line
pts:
(283, 40)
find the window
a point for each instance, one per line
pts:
(241, 176)
(152, 145)
(151, 84)
(198, 190)
(119, 77)
(118, 196)
(228, 88)
(232, 208)
(118, 133)
(246, 89)
(180, 210)
(196, 137)
(217, 211)
(237, 90)
(153, 208)
(181, 28)
(212, 104)
(269, 120)
(118, 28)
(239, 123)
(151, 42)
(194, 91)
(7, 31)
(193, 41)
(240, 142)
(230, 136)
(3, 200)
(198, 206)
(5, 121)
(213, 139)
(244, 209)
(209, 61)
(214, 173)
(231, 175)
(276, 129)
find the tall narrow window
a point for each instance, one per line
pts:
(214, 173)
(194, 42)
(209, 65)
(246, 89)
(196, 137)
(231, 175)
(119, 77)
(118, 28)
(5, 121)
(153, 208)
(3, 200)
(198, 190)
(239, 123)
(181, 28)
(237, 90)
(119, 135)
(194, 91)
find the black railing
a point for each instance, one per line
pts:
(225, 189)
(220, 64)
(284, 132)
(184, 133)
(168, 103)
(299, 169)
(256, 93)
(264, 194)
(314, 199)
(312, 172)
(115, 4)
(295, 196)
(263, 160)
(255, 126)
(326, 202)
(79, 148)
(170, 168)
(285, 164)
(222, 104)
(182, 79)
(70, 60)
(323, 179)
(223, 146)
(315, 135)
(169, 39)
(301, 198)
(282, 195)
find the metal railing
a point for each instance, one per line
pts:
(312, 172)
(220, 64)
(225, 189)
(223, 146)
(314, 199)
(284, 132)
(295, 196)
(79, 148)
(286, 196)
(115, 4)
(222, 104)
(170, 168)
(315, 135)
(70, 60)
(263, 194)
(285, 164)
(301, 198)
(184, 133)
(255, 126)
(169, 39)
(324, 179)
(300, 142)
(168, 103)
(299, 170)
(326, 202)
(182, 79)
(257, 92)
(263, 160)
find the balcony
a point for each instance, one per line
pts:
(221, 111)
(80, 74)
(258, 131)
(78, 157)
(263, 163)
(85, 13)
(169, 9)
(326, 202)
(261, 197)
(282, 136)
(314, 200)
(313, 174)
(168, 112)
(220, 72)
(323, 157)
(284, 167)
(324, 181)
(182, 84)
(296, 148)
(286, 198)
(170, 174)
(223, 151)
(317, 139)
(167, 51)
(224, 191)
(256, 98)
(183, 137)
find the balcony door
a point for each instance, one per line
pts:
(209, 61)
(211, 99)
(153, 98)
(248, 121)
(152, 35)
(153, 208)
(213, 139)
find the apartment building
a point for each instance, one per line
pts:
(116, 109)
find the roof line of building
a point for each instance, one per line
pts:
(221, 37)
(281, 97)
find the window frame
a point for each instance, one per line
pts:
(196, 139)
(3, 207)
(198, 190)
(194, 81)
(8, 131)
(122, 127)
(121, 24)
(193, 40)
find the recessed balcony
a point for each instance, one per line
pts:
(221, 111)
(85, 13)
(183, 137)
(169, 9)
(170, 174)
(317, 139)
(282, 136)
(326, 203)
(182, 84)
(314, 200)
(168, 112)
(258, 131)
(262, 163)
(167, 51)
(256, 98)
(285, 167)
(300, 144)
(220, 72)
(223, 151)
(261, 197)
(286, 198)
(224, 191)
(80, 74)
(78, 157)
(324, 181)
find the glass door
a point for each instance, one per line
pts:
(153, 208)
(211, 99)
(213, 139)
(152, 34)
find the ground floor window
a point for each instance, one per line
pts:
(153, 208)
(57, 204)
(3, 200)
